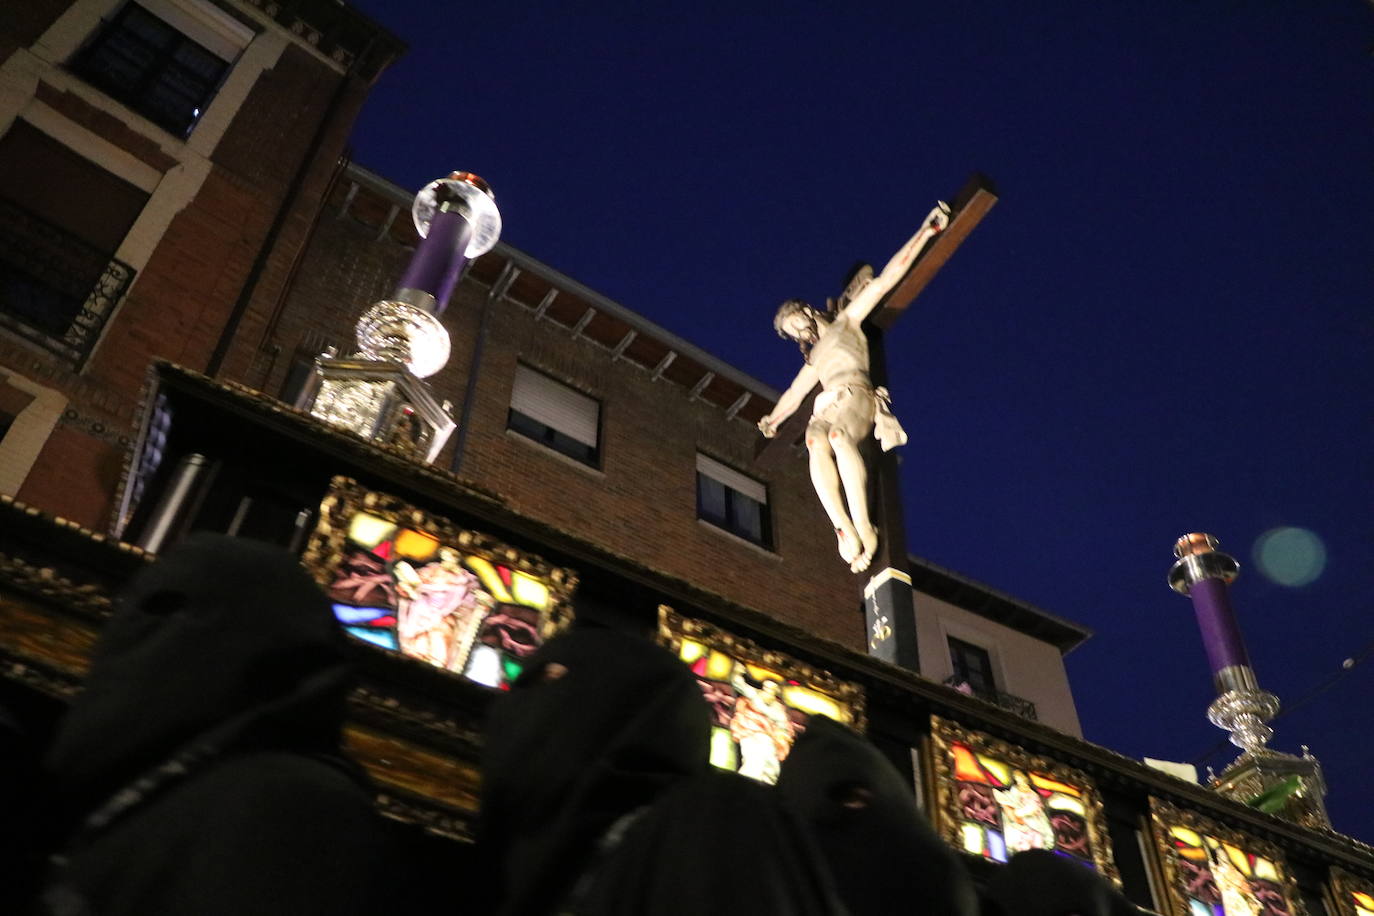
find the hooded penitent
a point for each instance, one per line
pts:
(598, 725)
(1038, 882)
(598, 799)
(200, 770)
(883, 854)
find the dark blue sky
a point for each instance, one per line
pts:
(1164, 326)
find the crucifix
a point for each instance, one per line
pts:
(840, 396)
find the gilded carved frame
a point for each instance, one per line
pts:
(947, 808)
(326, 544)
(1163, 815)
(673, 628)
(1342, 891)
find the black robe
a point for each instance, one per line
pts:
(200, 770)
(883, 854)
(598, 798)
(1038, 882)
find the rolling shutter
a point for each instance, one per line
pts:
(732, 479)
(555, 405)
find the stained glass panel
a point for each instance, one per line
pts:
(415, 584)
(1353, 895)
(760, 700)
(1215, 871)
(996, 800)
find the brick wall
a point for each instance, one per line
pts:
(185, 294)
(343, 271)
(253, 148)
(642, 502)
(75, 476)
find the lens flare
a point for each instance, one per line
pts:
(1290, 556)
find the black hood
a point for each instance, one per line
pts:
(599, 724)
(1038, 882)
(882, 852)
(223, 643)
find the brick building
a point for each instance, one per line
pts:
(602, 468)
(161, 163)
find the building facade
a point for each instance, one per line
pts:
(163, 307)
(160, 167)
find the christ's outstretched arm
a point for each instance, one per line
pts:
(869, 297)
(791, 399)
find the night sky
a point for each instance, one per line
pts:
(1164, 325)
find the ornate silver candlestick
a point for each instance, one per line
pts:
(377, 392)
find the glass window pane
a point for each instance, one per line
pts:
(711, 499)
(746, 517)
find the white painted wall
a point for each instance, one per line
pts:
(1021, 664)
(27, 435)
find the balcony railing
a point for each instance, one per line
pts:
(1008, 701)
(56, 289)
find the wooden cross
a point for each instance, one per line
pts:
(889, 609)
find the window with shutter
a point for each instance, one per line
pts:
(555, 415)
(730, 500)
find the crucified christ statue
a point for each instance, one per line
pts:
(848, 407)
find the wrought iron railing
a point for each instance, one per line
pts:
(1008, 701)
(56, 289)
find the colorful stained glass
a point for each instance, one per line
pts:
(759, 701)
(1017, 809)
(996, 800)
(1215, 872)
(410, 583)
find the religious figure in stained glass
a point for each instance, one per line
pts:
(1214, 871)
(761, 726)
(996, 800)
(415, 584)
(760, 700)
(437, 608)
(1023, 815)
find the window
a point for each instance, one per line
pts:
(145, 62)
(729, 500)
(555, 415)
(972, 666)
(62, 217)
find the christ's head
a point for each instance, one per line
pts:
(797, 320)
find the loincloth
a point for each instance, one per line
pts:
(886, 427)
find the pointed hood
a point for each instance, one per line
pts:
(863, 815)
(222, 643)
(599, 724)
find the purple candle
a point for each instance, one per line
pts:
(1220, 633)
(439, 258)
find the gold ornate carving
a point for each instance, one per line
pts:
(760, 700)
(1343, 890)
(400, 765)
(673, 628)
(346, 497)
(1164, 816)
(948, 808)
